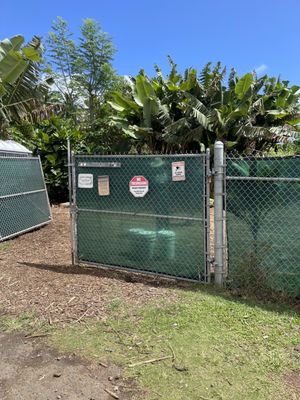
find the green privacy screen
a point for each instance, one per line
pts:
(142, 212)
(263, 223)
(23, 197)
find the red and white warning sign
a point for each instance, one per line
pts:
(178, 171)
(139, 186)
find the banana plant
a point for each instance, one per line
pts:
(16, 69)
(139, 115)
(180, 111)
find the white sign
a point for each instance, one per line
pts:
(139, 186)
(178, 171)
(103, 185)
(85, 181)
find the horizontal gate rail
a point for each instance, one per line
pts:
(203, 155)
(22, 194)
(121, 268)
(140, 214)
(24, 230)
(17, 157)
(262, 178)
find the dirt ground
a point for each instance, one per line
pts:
(29, 370)
(36, 275)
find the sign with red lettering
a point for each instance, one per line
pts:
(139, 186)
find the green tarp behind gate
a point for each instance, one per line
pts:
(162, 232)
(263, 223)
(23, 198)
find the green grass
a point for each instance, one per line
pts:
(225, 348)
(27, 322)
(4, 246)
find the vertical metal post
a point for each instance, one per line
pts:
(218, 210)
(71, 199)
(69, 170)
(73, 210)
(45, 186)
(207, 216)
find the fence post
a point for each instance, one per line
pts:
(71, 197)
(218, 210)
(207, 216)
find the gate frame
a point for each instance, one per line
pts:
(38, 159)
(206, 215)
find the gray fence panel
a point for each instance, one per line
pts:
(263, 223)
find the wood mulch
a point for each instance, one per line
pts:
(36, 275)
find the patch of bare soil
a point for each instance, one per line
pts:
(36, 275)
(29, 370)
(292, 380)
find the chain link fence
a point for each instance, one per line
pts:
(164, 228)
(24, 201)
(145, 213)
(263, 223)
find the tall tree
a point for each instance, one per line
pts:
(95, 74)
(62, 57)
(82, 69)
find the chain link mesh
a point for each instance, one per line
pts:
(23, 198)
(263, 223)
(162, 232)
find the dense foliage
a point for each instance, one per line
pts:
(49, 139)
(72, 91)
(21, 87)
(191, 110)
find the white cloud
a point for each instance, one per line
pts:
(262, 68)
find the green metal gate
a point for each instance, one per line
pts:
(24, 203)
(147, 213)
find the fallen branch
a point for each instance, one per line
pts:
(150, 361)
(37, 335)
(51, 304)
(82, 315)
(71, 299)
(112, 394)
(102, 364)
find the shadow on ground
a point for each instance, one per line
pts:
(276, 304)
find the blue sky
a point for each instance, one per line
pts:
(262, 34)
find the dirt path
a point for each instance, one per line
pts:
(29, 370)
